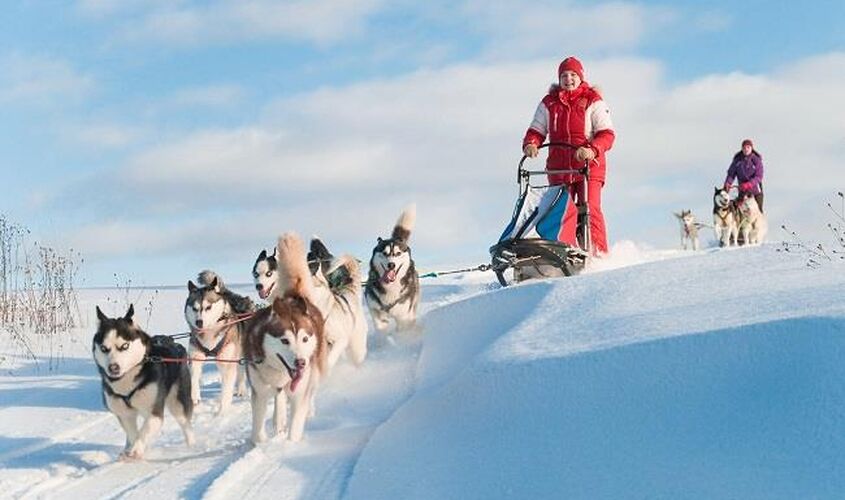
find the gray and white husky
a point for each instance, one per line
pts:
(337, 293)
(725, 218)
(212, 311)
(286, 348)
(393, 285)
(689, 229)
(753, 225)
(134, 384)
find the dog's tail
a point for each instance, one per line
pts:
(208, 278)
(405, 224)
(294, 276)
(346, 280)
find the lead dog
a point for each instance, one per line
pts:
(212, 312)
(393, 285)
(725, 218)
(286, 347)
(135, 385)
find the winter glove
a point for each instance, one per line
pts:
(584, 154)
(745, 186)
(728, 186)
(530, 150)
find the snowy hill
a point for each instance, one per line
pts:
(695, 375)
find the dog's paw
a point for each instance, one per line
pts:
(131, 456)
(258, 438)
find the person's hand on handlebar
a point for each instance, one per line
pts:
(531, 150)
(585, 154)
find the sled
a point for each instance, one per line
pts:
(529, 247)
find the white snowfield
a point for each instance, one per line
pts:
(713, 374)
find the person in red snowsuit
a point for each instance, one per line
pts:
(574, 112)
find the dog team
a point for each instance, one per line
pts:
(736, 221)
(281, 352)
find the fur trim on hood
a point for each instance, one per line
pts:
(554, 89)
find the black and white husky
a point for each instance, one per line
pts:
(337, 293)
(393, 285)
(212, 312)
(135, 384)
(725, 218)
(286, 348)
(265, 273)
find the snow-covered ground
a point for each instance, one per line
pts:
(658, 374)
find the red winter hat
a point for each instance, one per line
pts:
(571, 64)
(748, 142)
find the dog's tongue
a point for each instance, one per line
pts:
(389, 276)
(296, 376)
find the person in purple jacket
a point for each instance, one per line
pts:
(747, 169)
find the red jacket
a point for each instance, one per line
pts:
(579, 117)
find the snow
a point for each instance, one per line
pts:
(655, 374)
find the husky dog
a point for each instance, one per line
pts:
(689, 229)
(264, 273)
(753, 225)
(211, 310)
(725, 218)
(133, 385)
(337, 293)
(286, 347)
(393, 285)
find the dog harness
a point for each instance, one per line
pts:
(215, 351)
(126, 398)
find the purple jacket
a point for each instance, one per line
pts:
(746, 169)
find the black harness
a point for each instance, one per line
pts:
(406, 295)
(214, 351)
(125, 397)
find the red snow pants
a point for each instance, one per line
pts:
(598, 233)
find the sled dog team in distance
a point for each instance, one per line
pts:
(737, 220)
(314, 312)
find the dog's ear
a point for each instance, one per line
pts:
(379, 241)
(262, 255)
(274, 252)
(192, 287)
(129, 313)
(100, 316)
(676, 214)
(716, 190)
(299, 304)
(213, 284)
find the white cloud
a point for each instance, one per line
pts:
(193, 23)
(41, 80)
(342, 161)
(546, 27)
(211, 96)
(104, 135)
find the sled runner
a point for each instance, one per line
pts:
(529, 246)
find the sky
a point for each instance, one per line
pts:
(158, 138)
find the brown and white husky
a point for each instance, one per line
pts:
(286, 347)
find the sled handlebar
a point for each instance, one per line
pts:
(522, 173)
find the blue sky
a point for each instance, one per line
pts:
(162, 137)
